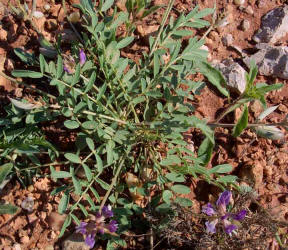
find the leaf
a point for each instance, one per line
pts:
(89, 125)
(76, 76)
(22, 105)
(60, 174)
(175, 177)
(171, 160)
(91, 82)
(242, 123)
(66, 224)
(221, 169)
(71, 124)
(42, 63)
(107, 4)
(59, 70)
(5, 170)
(90, 144)
(63, 204)
(181, 189)
(24, 56)
(183, 202)
(8, 209)
(125, 42)
(72, 157)
(205, 151)
(267, 112)
(87, 171)
(166, 196)
(214, 76)
(76, 185)
(156, 66)
(26, 73)
(227, 179)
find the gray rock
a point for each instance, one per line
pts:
(274, 25)
(234, 75)
(75, 242)
(271, 60)
(227, 40)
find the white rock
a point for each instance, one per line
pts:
(47, 6)
(38, 14)
(273, 26)
(245, 25)
(234, 75)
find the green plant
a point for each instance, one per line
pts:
(129, 118)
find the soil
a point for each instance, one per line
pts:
(258, 162)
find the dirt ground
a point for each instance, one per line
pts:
(269, 176)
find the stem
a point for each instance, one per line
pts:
(167, 12)
(112, 184)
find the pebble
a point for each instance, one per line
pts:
(25, 239)
(249, 10)
(227, 40)
(213, 35)
(51, 24)
(47, 6)
(245, 25)
(75, 242)
(239, 2)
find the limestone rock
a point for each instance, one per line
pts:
(273, 26)
(75, 242)
(234, 75)
(271, 60)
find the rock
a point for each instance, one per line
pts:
(227, 40)
(55, 220)
(47, 7)
(270, 60)
(75, 242)
(74, 17)
(249, 10)
(245, 25)
(273, 26)
(252, 173)
(51, 24)
(239, 2)
(234, 75)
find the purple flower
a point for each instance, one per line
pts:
(208, 209)
(240, 216)
(107, 211)
(81, 228)
(224, 199)
(82, 57)
(211, 226)
(230, 228)
(90, 240)
(113, 226)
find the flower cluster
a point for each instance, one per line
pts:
(228, 220)
(99, 225)
(69, 62)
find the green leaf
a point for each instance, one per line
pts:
(76, 76)
(102, 183)
(26, 73)
(87, 172)
(8, 209)
(63, 204)
(24, 56)
(91, 82)
(90, 144)
(66, 224)
(221, 169)
(71, 124)
(76, 185)
(242, 123)
(5, 170)
(89, 125)
(166, 196)
(72, 157)
(125, 42)
(42, 63)
(59, 70)
(60, 174)
(171, 160)
(183, 202)
(227, 179)
(175, 177)
(205, 151)
(181, 189)
(214, 76)
(156, 66)
(107, 4)
(23, 105)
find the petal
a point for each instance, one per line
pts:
(82, 56)
(81, 228)
(208, 210)
(90, 240)
(107, 212)
(240, 216)
(230, 228)
(211, 226)
(224, 198)
(113, 226)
